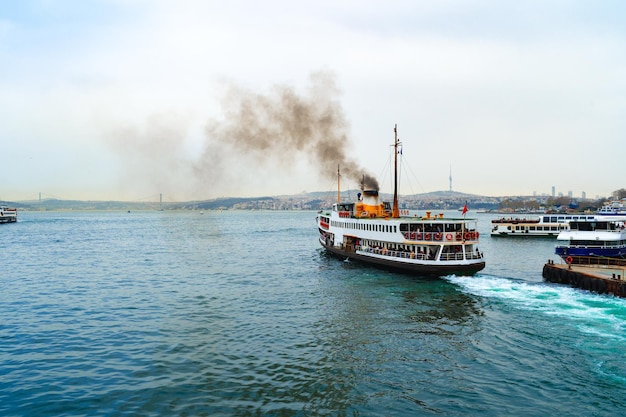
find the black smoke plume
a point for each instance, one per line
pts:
(275, 127)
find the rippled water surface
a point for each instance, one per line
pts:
(241, 313)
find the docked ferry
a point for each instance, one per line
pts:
(613, 208)
(548, 225)
(377, 233)
(595, 238)
(8, 215)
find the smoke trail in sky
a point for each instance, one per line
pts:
(258, 138)
(282, 124)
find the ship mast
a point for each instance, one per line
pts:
(396, 211)
(338, 186)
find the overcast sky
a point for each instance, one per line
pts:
(115, 99)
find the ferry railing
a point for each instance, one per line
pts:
(616, 266)
(451, 256)
(594, 245)
(459, 256)
(412, 255)
(476, 255)
(598, 261)
(392, 253)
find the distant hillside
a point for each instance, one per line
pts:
(56, 204)
(312, 200)
(445, 195)
(227, 202)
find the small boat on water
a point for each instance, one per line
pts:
(8, 215)
(548, 225)
(592, 238)
(377, 233)
(613, 208)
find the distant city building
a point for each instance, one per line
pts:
(584, 195)
(553, 191)
(570, 194)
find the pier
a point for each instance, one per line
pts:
(601, 275)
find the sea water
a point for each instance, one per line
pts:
(241, 313)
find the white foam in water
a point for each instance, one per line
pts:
(601, 315)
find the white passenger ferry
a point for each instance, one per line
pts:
(602, 237)
(613, 208)
(376, 233)
(8, 215)
(546, 225)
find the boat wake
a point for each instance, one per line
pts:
(591, 313)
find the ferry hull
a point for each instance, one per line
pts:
(525, 234)
(564, 251)
(414, 268)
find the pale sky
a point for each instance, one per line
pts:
(114, 99)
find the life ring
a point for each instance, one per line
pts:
(419, 236)
(459, 236)
(466, 236)
(427, 236)
(437, 236)
(477, 235)
(406, 235)
(569, 260)
(412, 235)
(448, 236)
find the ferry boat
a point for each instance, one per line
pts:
(614, 208)
(548, 225)
(8, 215)
(377, 233)
(595, 238)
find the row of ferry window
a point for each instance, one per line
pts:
(432, 227)
(366, 226)
(539, 228)
(598, 244)
(561, 219)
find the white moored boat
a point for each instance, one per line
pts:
(375, 232)
(604, 237)
(613, 208)
(547, 225)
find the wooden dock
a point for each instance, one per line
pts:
(603, 278)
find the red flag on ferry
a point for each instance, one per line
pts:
(465, 209)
